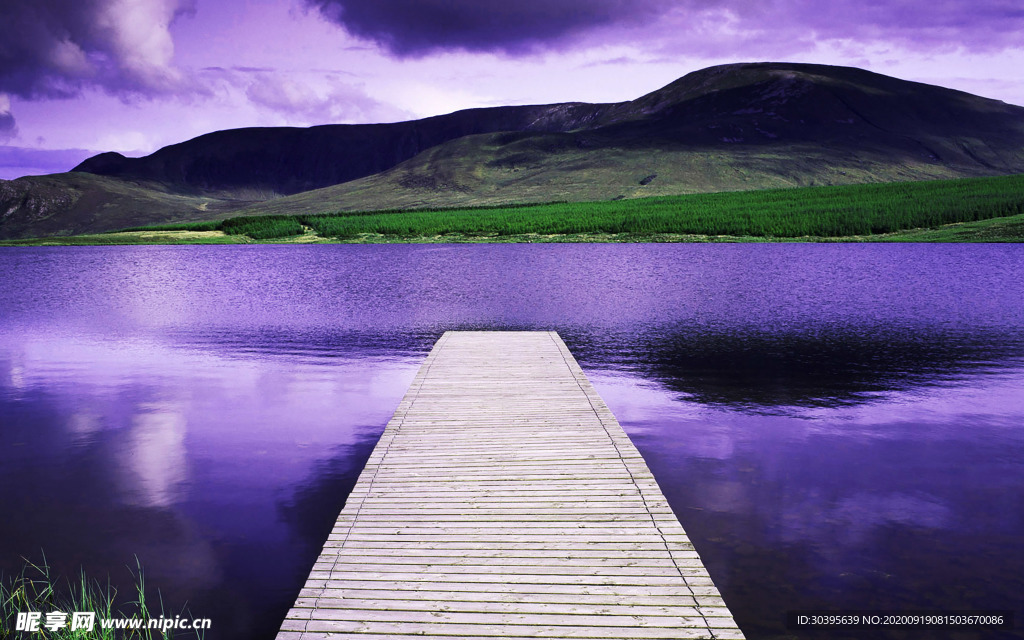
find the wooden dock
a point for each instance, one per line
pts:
(505, 501)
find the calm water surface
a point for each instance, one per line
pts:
(837, 427)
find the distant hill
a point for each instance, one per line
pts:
(730, 127)
(287, 160)
(66, 204)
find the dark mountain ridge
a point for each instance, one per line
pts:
(757, 103)
(287, 160)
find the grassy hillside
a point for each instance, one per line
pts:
(75, 203)
(732, 127)
(855, 210)
(498, 169)
(979, 209)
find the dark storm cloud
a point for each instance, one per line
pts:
(8, 128)
(730, 27)
(54, 48)
(415, 27)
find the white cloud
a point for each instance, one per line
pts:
(311, 99)
(138, 34)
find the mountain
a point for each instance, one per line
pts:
(740, 126)
(286, 160)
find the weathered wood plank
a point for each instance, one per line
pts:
(569, 608)
(504, 501)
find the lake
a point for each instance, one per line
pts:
(836, 426)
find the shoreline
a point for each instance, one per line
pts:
(994, 230)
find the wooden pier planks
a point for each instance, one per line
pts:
(505, 501)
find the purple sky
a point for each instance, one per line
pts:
(134, 75)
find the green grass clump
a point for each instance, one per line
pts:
(837, 211)
(262, 227)
(34, 589)
(208, 225)
(848, 212)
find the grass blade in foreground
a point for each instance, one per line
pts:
(34, 590)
